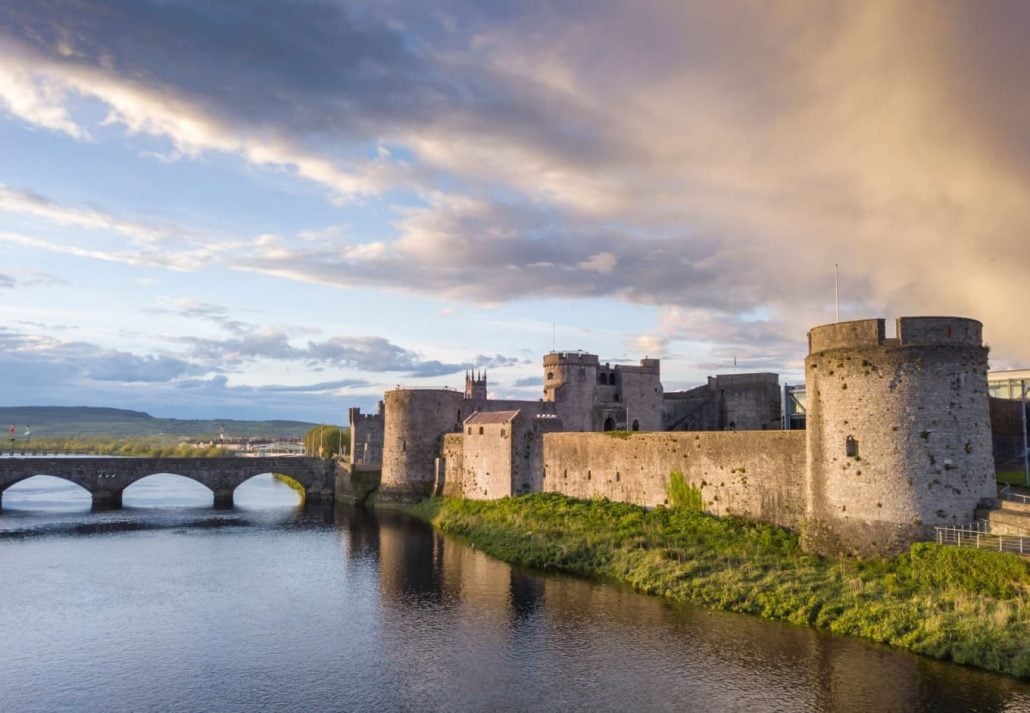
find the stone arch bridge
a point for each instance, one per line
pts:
(107, 478)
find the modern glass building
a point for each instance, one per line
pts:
(1012, 384)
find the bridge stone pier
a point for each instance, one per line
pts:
(107, 478)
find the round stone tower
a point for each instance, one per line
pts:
(898, 430)
(570, 381)
(416, 421)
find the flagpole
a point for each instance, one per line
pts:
(836, 291)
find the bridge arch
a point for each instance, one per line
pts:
(268, 490)
(36, 492)
(166, 489)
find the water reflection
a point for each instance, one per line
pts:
(574, 639)
(333, 608)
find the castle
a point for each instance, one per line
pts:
(898, 437)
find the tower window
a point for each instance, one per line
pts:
(851, 447)
(550, 375)
(480, 430)
(502, 433)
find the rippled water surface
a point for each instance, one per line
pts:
(169, 605)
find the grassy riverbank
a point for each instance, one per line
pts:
(968, 606)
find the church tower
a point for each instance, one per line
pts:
(475, 385)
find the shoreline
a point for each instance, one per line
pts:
(971, 607)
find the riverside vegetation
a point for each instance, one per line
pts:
(141, 447)
(964, 605)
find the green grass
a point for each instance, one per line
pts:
(1012, 477)
(968, 606)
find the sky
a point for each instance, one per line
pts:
(272, 209)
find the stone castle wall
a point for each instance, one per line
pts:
(728, 402)
(416, 424)
(487, 460)
(898, 430)
(452, 479)
(751, 474)
(641, 396)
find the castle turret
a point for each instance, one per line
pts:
(570, 380)
(898, 432)
(416, 421)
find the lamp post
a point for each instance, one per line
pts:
(1022, 412)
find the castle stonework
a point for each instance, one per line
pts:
(898, 432)
(589, 396)
(898, 437)
(728, 402)
(366, 435)
(416, 422)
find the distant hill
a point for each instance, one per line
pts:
(87, 421)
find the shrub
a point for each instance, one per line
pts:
(683, 495)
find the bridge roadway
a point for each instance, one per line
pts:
(107, 478)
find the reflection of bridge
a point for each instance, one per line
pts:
(107, 478)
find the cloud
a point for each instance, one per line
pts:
(721, 156)
(720, 340)
(534, 381)
(483, 361)
(365, 353)
(32, 358)
(41, 370)
(120, 366)
(328, 83)
(193, 308)
(6, 281)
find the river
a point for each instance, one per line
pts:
(168, 605)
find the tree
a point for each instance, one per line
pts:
(324, 441)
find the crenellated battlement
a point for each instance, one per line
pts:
(957, 331)
(847, 335)
(577, 358)
(911, 331)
